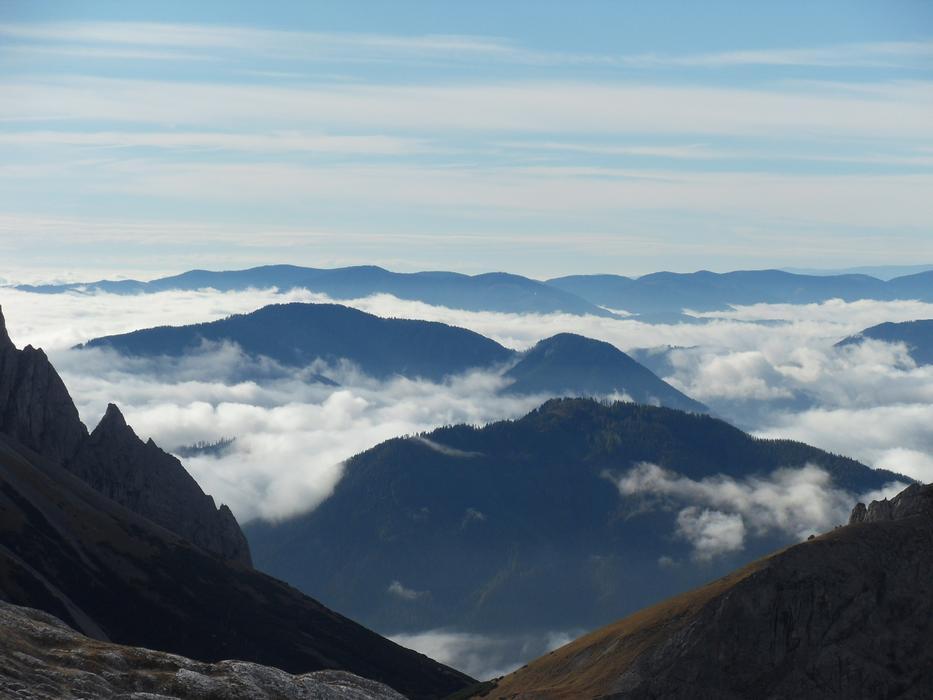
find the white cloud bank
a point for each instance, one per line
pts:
(717, 513)
(292, 434)
(483, 656)
(868, 402)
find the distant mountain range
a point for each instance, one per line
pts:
(845, 615)
(658, 296)
(519, 525)
(113, 537)
(710, 291)
(882, 272)
(298, 334)
(916, 335)
(494, 291)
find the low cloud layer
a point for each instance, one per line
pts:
(292, 434)
(717, 513)
(770, 368)
(483, 656)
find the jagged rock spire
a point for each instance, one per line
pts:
(113, 418)
(116, 462)
(4, 336)
(35, 408)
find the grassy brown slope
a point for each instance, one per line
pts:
(845, 615)
(587, 667)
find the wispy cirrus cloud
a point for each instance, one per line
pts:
(268, 143)
(308, 45)
(882, 54)
(581, 107)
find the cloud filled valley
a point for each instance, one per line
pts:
(771, 369)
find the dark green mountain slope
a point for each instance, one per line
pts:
(518, 525)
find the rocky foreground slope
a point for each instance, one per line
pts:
(845, 615)
(41, 658)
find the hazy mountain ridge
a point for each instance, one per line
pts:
(711, 291)
(115, 575)
(844, 615)
(493, 291)
(519, 524)
(571, 365)
(299, 334)
(648, 295)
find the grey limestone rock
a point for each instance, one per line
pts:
(43, 659)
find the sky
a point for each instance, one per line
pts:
(542, 138)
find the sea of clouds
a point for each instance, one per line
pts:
(772, 369)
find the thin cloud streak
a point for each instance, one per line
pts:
(880, 110)
(330, 45)
(284, 142)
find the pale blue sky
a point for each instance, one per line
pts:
(543, 138)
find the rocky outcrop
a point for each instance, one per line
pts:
(37, 411)
(153, 483)
(914, 500)
(35, 407)
(42, 658)
(845, 615)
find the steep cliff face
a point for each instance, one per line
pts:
(37, 411)
(914, 500)
(153, 483)
(845, 615)
(43, 659)
(35, 407)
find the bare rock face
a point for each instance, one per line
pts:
(37, 411)
(154, 484)
(35, 407)
(914, 500)
(42, 658)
